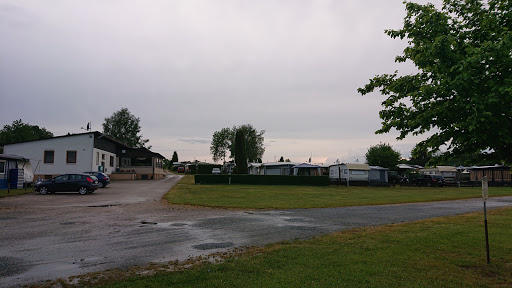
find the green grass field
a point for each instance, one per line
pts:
(440, 252)
(289, 197)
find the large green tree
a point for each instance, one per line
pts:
(125, 127)
(19, 132)
(174, 157)
(462, 92)
(240, 156)
(223, 141)
(382, 155)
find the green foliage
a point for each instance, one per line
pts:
(263, 180)
(281, 159)
(203, 168)
(463, 90)
(382, 155)
(19, 132)
(420, 156)
(254, 147)
(174, 157)
(223, 141)
(124, 127)
(240, 157)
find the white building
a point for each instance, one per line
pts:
(91, 151)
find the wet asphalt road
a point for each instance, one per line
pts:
(54, 236)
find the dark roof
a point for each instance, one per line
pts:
(146, 150)
(62, 136)
(11, 157)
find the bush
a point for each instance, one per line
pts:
(203, 168)
(263, 180)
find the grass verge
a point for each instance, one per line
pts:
(289, 197)
(14, 192)
(440, 252)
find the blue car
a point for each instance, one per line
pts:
(103, 179)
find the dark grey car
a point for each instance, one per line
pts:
(81, 183)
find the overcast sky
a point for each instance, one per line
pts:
(190, 68)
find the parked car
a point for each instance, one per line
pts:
(429, 180)
(82, 183)
(216, 171)
(181, 169)
(103, 179)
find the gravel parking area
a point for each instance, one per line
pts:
(55, 236)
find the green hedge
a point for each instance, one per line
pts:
(204, 168)
(263, 179)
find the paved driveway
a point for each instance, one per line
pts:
(51, 236)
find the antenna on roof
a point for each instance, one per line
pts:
(88, 127)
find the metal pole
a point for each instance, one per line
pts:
(485, 195)
(486, 234)
(339, 176)
(8, 181)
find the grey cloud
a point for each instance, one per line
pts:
(195, 141)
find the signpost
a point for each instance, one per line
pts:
(485, 195)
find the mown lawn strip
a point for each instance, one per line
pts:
(290, 197)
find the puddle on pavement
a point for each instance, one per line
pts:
(290, 219)
(104, 205)
(11, 266)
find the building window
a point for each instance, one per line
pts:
(2, 167)
(49, 156)
(357, 172)
(71, 157)
(102, 156)
(111, 161)
(97, 158)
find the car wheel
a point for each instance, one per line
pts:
(43, 190)
(83, 190)
(100, 184)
